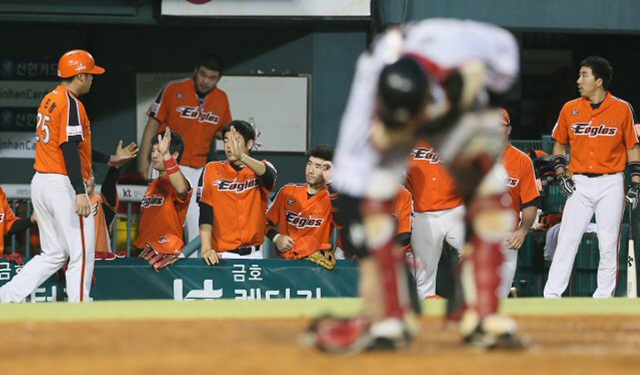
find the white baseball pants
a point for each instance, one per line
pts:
(430, 230)
(63, 235)
(603, 196)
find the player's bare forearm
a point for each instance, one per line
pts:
(255, 165)
(559, 149)
(209, 255)
(528, 217)
(145, 147)
(178, 180)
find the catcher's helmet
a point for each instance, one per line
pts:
(76, 62)
(402, 90)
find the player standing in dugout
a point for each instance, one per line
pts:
(600, 129)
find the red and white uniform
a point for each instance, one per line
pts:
(438, 214)
(63, 234)
(599, 139)
(197, 121)
(432, 39)
(522, 187)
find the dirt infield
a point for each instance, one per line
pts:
(565, 345)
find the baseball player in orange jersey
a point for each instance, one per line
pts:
(600, 129)
(233, 199)
(300, 210)
(197, 110)
(105, 204)
(438, 214)
(164, 206)
(11, 224)
(58, 192)
(439, 80)
(525, 198)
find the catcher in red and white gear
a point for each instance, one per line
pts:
(439, 80)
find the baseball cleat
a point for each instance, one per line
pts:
(492, 332)
(351, 336)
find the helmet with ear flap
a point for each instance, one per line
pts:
(402, 91)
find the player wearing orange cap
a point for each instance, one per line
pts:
(58, 192)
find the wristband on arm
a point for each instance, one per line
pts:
(633, 167)
(559, 161)
(171, 166)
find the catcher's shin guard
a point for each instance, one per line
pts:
(380, 229)
(491, 221)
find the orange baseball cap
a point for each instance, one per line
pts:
(505, 118)
(77, 62)
(167, 244)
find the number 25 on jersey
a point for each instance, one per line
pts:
(42, 128)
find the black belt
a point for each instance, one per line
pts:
(592, 175)
(245, 250)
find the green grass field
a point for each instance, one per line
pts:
(273, 309)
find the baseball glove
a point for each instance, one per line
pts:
(324, 258)
(567, 186)
(164, 252)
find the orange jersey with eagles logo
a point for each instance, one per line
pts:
(177, 106)
(103, 240)
(296, 215)
(7, 218)
(162, 212)
(429, 183)
(61, 118)
(520, 178)
(599, 137)
(239, 202)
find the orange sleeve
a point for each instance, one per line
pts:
(10, 218)
(403, 209)
(273, 212)
(159, 107)
(529, 189)
(561, 130)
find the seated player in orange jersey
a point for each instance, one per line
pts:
(304, 210)
(233, 198)
(104, 205)
(164, 206)
(11, 224)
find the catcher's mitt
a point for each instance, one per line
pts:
(310, 248)
(324, 258)
(163, 252)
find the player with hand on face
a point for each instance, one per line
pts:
(11, 224)
(233, 198)
(304, 210)
(600, 129)
(165, 203)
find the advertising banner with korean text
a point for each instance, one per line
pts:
(191, 279)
